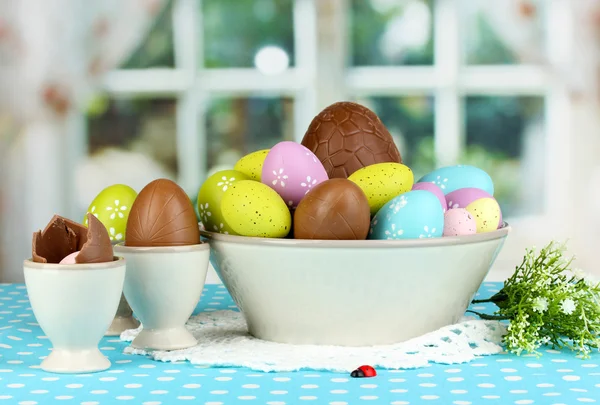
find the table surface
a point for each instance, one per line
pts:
(554, 378)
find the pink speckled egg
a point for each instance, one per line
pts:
(292, 170)
(433, 188)
(458, 221)
(70, 259)
(480, 203)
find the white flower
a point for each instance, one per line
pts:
(225, 183)
(314, 158)
(440, 182)
(204, 212)
(220, 229)
(568, 306)
(394, 234)
(428, 233)
(309, 183)
(279, 178)
(398, 204)
(540, 304)
(112, 236)
(117, 210)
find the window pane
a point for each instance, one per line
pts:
(410, 121)
(235, 31)
(505, 137)
(238, 126)
(388, 32)
(503, 32)
(157, 49)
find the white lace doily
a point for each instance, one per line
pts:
(224, 342)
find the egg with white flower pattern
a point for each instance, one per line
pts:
(111, 206)
(452, 178)
(292, 170)
(210, 196)
(415, 214)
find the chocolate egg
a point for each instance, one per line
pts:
(347, 136)
(333, 209)
(162, 215)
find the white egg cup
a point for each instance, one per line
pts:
(163, 286)
(74, 305)
(123, 319)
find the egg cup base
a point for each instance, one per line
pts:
(164, 339)
(66, 361)
(120, 324)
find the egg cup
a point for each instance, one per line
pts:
(74, 305)
(163, 285)
(123, 319)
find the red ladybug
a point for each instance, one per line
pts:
(363, 371)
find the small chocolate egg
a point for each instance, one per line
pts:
(251, 164)
(334, 209)
(433, 188)
(162, 215)
(383, 181)
(111, 206)
(459, 221)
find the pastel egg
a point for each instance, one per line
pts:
(452, 178)
(432, 188)
(210, 196)
(69, 259)
(383, 181)
(487, 214)
(251, 164)
(112, 206)
(412, 215)
(463, 197)
(459, 221)
(251, 208)
(292, 170)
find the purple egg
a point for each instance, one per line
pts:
(433, 188)
(464, 196)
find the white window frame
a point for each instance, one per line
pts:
(449, 80)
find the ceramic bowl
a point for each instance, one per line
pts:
(74, 305)
(352, 293)
(163, 286)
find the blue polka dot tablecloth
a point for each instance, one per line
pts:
(554, 378)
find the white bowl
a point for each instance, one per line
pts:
(74, 305)
(352, 293)
(163, 286)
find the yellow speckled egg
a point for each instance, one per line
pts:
(251, 164)
(255, 209)
(486, 212)
(382, 182)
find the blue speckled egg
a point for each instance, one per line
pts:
(452, 178)
(412, 215)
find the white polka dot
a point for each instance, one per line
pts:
(425, 375)
(586, 400)
(339, 391)
(551, 394)
(544, 385)
(508, 370)
(564, 370)
(147, 366)
(518, 391)
(223, 378)
(453, 370)
(589, 365)
(125, 397)
(504, 360)
(219, 392)
(400, 403)
(281, 379)
(429, 397)
(278, 392)
(192, 386)
(331, 403)
(478, 365)
(165, 378)
(577, 390)
(172, 371)
(486, 385)
(458, 391)
(15, 385)
(461, 403)
(185, 397)
(571, 378)
(159, 392)
(397, 380)
(428, 385)
(14, 362)
(141, 375)
(524, 401)
(363, 386)
(122, 361)
(268, 403)
(260, 375)
(96, 392)
(133, 385)
(24, 353)
(217, 403)
(309, 386)
(5, 370)
(228, 371)
(455, 379)
(490, 397)
(63, 397)
(513, 378)
(38, 392)
(308, 398)
(5, 396)
(399, 390)
(116, 371)
(369, 397)
(90, 403)
(248, 397)
(74, 385)
(107, 348)
(28, 403)
(107, 378)
(14, 338)
(534, 365)
(336, 380)
(558, 361)
(250, 386)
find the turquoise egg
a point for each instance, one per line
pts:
(412, 215)
(452, 178)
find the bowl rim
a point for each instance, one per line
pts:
(121, 248)
(117, 261)
(360, 244)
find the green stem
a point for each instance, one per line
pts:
(490, 317)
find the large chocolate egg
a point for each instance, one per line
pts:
(347, 136)
(162, 215)
(333, 209)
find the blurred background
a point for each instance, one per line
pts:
(129, 91)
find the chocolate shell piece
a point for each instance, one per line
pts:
(333, 209)
(61, 237)
(347, 136)
(162, 215)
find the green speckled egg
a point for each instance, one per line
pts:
(111, 206)
(255, 209)
(251, 164)
(382, 182)
(209, 199)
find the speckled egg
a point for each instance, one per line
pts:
(111, 206)
(459, 221)
(480, 204)
(292, 171)
(383, 181)
(251, 208)
(251, 164)
(432, 188)
(210, 196)
(412, 215)
(452, 178)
